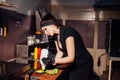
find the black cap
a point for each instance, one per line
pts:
(48, 19)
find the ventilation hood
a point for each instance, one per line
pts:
(107, 4)
(25, 6)
(2, 4)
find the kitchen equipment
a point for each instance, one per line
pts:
(31, 40)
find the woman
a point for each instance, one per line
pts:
(70, 49)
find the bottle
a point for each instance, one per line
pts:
(38, 57)
(5, 31)
(44, 54)
(39, 52)
(35, 57)
(1, 31)
(35, 52)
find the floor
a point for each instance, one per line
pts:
(116, 75)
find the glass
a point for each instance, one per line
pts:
(44, 40)
(31, 40)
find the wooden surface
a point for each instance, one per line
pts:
(45, 76)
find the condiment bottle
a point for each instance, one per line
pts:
(35, 57)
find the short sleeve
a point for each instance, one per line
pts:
(69, 32)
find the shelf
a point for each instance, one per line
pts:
(28, 58)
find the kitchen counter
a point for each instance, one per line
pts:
(45, 76)
(12, 70)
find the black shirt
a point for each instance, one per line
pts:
(82, 56)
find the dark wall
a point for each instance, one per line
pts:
(103, 27)
(86, 30)
(19, 26)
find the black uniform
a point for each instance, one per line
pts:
(82, 67)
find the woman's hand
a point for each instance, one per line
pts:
(59, 55)
(54, 64)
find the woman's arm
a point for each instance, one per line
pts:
(70, 45)
(59, 53)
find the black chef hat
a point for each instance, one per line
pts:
(48, 19)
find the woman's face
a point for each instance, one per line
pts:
(48, 30)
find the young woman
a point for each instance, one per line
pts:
(70, 49)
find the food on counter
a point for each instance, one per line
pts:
(48, 71)
(39, 71)
(52, 71)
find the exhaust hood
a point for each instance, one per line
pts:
(107, 4)
(7, 5)
(3, 3)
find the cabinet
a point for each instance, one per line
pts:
(23, 51)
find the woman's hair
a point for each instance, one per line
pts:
(49, 19)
